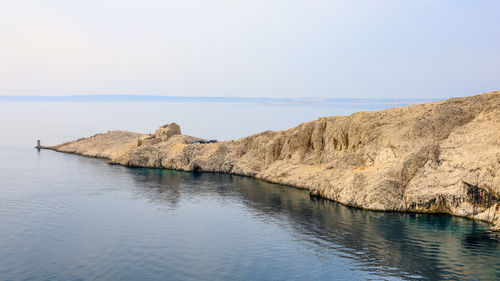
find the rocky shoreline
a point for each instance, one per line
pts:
(439, 157)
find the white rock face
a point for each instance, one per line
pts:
(434, 157)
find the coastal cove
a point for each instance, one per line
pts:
(152, 224)
(440, 157)
(250, 140)
(166, 222)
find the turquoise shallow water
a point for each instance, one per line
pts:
(67, 217)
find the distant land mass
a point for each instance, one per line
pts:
(153, 98)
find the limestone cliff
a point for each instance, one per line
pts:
(434, 157)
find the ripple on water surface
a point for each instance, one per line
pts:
(70, 217)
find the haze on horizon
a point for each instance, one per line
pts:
(261, 48)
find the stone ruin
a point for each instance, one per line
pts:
(168, 130)
(162, 134)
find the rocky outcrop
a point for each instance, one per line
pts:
(435, 157)
(166, 131)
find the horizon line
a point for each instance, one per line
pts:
(167, 98)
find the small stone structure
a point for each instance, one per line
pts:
(161, 135)
(168, 130)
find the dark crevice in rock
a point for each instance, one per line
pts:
(479, 197)
(196, 168)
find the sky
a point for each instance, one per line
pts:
(258, 48)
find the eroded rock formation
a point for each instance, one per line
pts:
(434, 157)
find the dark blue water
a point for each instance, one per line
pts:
(67, 217)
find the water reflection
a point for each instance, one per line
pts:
(411, 246)
(163, 187)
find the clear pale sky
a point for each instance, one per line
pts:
(257, 48)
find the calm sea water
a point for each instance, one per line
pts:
(67, 217)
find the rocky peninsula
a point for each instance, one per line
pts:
(439, 157)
